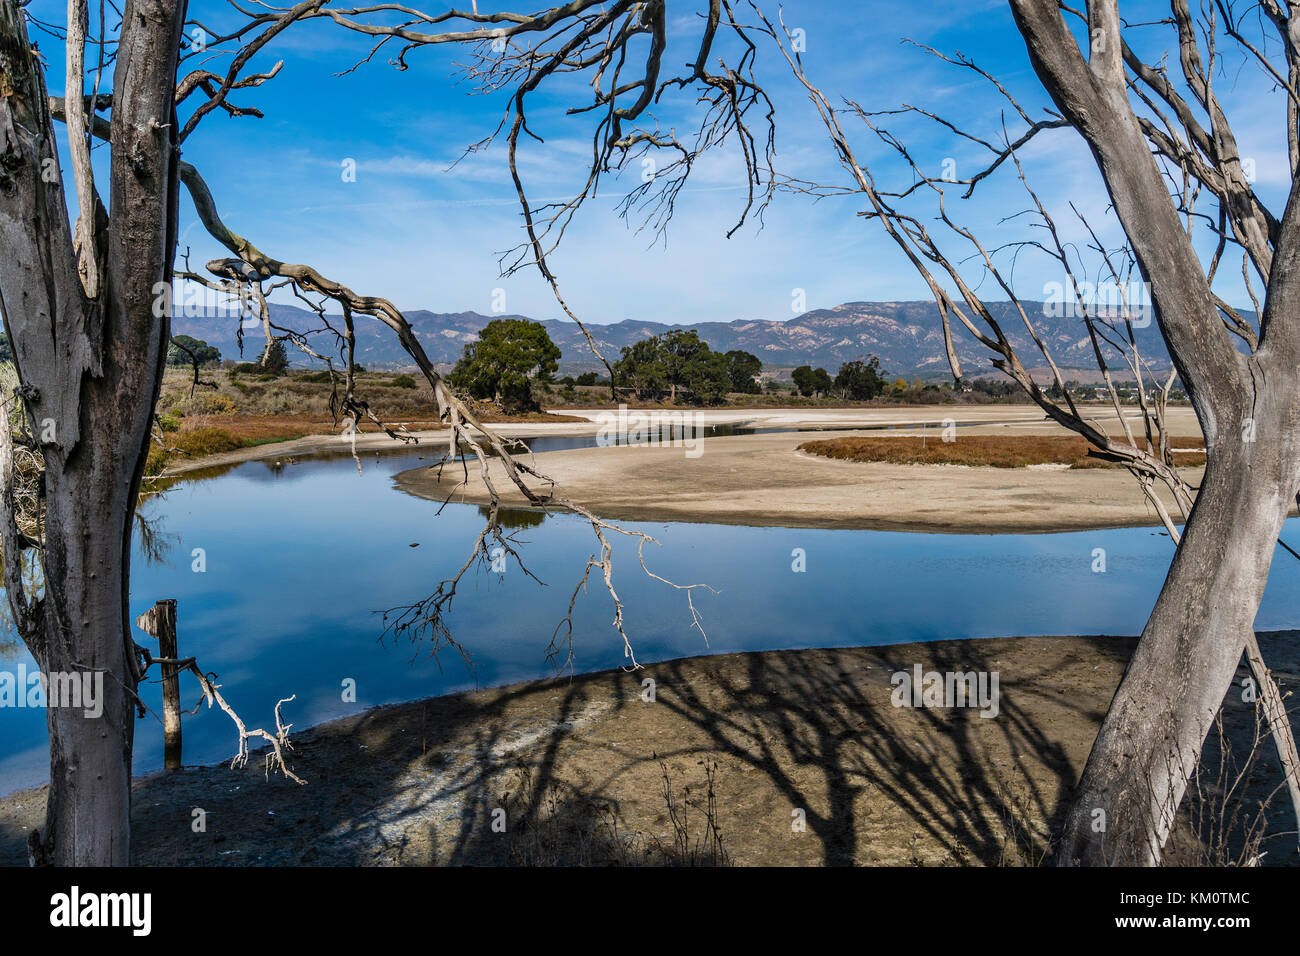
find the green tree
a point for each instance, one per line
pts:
(743, 368)
(687, 361)
(502, 364)
(675, 360)
(203, 352)
(275, 360)
(860, 381)
(641, 366)
(709, 378)
(811, 381)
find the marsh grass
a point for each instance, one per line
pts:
(995, 451)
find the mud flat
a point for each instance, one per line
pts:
(766, 480)
(995, 419)
(815, 731)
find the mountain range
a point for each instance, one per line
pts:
(906, 336)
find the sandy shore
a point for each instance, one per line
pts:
(1011, 416)
(762, 479)
(765, 480)
(810, 730)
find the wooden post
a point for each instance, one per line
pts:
(160, 622)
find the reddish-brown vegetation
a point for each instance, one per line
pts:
(996, 451)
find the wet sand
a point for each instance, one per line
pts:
(766, 480)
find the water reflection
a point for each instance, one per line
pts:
(11, 645)
(301, 555)
(515, 517)
(153, 540)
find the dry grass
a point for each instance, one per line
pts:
(302, 397)
(192, 443)
(297, 393)
(996, 451)
(568, 829)
(245, 411)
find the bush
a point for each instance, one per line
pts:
(403, 381)
(276, 359)
(207, 441)
(276, 363)
(191, 444)
(210, 403)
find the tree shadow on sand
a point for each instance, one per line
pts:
(746, 746)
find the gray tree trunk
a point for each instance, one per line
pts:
(90, 367)
(1153, 733)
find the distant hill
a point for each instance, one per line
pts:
(905, 335)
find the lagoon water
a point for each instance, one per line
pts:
(303, 557)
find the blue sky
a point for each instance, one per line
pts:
(426, 234)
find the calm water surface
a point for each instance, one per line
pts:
(301, 557)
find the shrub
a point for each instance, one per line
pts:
(191, 444)
(206, 441)
(403, 381)
(209, 403)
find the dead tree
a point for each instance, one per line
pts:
(87, 308)
(77, 306)
(1162, 144)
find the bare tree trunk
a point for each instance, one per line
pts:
(1151, 739)
(89, 805)
(1154, 731)
(89, 345)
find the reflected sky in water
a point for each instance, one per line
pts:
(302, 556)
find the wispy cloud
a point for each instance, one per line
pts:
(424, 224)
